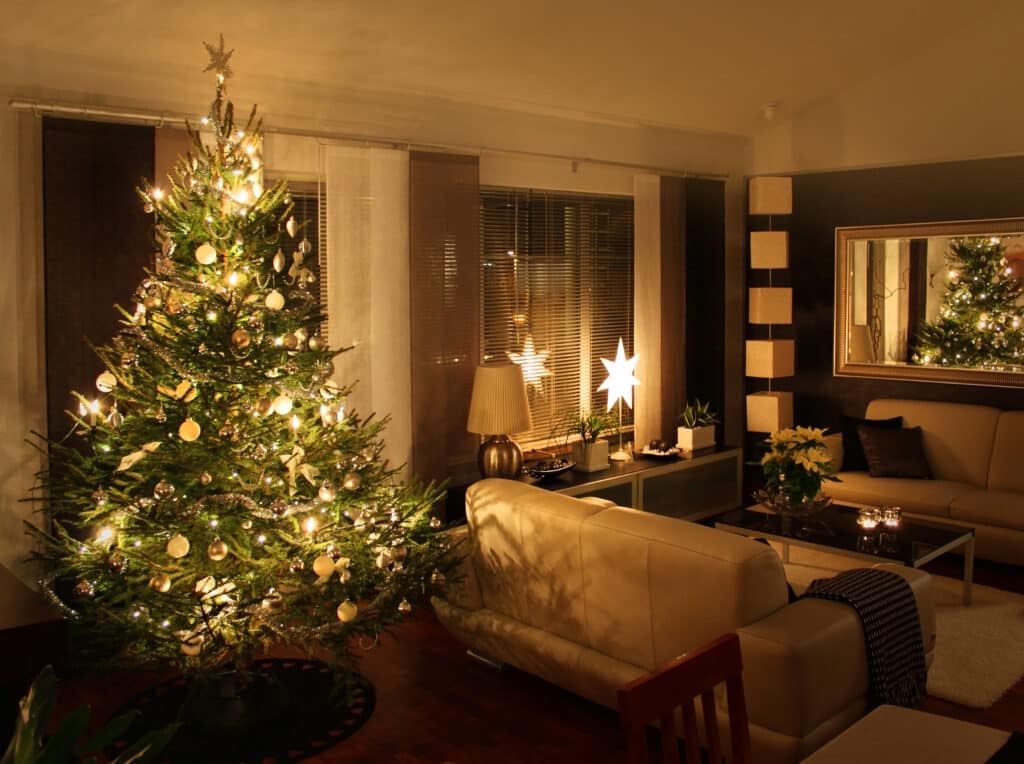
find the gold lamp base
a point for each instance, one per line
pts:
(500, 457)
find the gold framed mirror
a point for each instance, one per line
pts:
(931, 302)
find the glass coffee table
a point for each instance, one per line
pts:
(834, 529)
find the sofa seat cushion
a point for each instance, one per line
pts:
(925, 497)
(1003, 509)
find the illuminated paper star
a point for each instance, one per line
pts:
(532, 362)
(620, 381)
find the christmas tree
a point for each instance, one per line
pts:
(980, 320)
(217, 497)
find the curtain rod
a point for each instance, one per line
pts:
(164, 119)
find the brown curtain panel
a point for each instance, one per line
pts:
(98, 243)
(444, 281)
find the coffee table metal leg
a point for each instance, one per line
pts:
(968, 570)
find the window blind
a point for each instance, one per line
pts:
(556, 295)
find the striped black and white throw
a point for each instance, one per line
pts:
(892, 630)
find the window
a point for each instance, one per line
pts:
(556, 295)
(309, 202)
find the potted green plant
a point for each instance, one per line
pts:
(588, 451)
(696, 428)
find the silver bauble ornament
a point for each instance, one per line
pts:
(296, 565)
(279, 261)
(305, 246)
(163, 490)
(405, 607)
(161, 582)
(206, 254)
(279, 507)
(84, 589)
(291, 227)
(205, 478)
(435, 523)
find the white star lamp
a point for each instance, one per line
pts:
(619, 384)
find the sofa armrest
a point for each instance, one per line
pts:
(802, 665)
(807, 662)
(463, 588)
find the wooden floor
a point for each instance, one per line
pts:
(434, 704)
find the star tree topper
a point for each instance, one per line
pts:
(620, 381)
(219, 60)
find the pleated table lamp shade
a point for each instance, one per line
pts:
(499, 407)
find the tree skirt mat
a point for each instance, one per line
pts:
(291, 710)
(977, 648)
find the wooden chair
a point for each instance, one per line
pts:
(677, 684)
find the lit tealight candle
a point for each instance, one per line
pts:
(868, 519)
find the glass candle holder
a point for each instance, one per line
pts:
(869, 518)
(892, 517)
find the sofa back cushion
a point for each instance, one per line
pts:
(957, 437)
(1005, 473)
(639, 587)
(527, 554)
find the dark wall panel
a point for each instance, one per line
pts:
(98, 241)
(705, 293)
(911, 194)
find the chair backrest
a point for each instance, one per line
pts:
(677, 684)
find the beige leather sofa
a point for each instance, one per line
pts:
(589, 596)
(974, 453)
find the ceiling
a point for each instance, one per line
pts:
(699, 66)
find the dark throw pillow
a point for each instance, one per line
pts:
(894, 453)
(853, 453)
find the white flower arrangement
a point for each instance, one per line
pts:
(797, 463)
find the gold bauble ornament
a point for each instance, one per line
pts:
(205, 478)
(106, 382)
(347, 611)
(435, 523)
(241, 338)
(351, 481)
(323, 565)
(316, 342)
(327, 492)
(264, 406)
(275, 300)
(405, 607)
(192, 645)
(218, 550)
(283, 405)
(290, 342)
(189, 430)
(279, 261)
(206, 254)
(161, 582)
(292, 227)
(84, 589)
(117, 563)
(178, 546)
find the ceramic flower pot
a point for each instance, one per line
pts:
(590, 457)
(695, 438)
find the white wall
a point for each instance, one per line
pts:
(959, 99)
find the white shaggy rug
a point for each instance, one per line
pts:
(979, 649)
